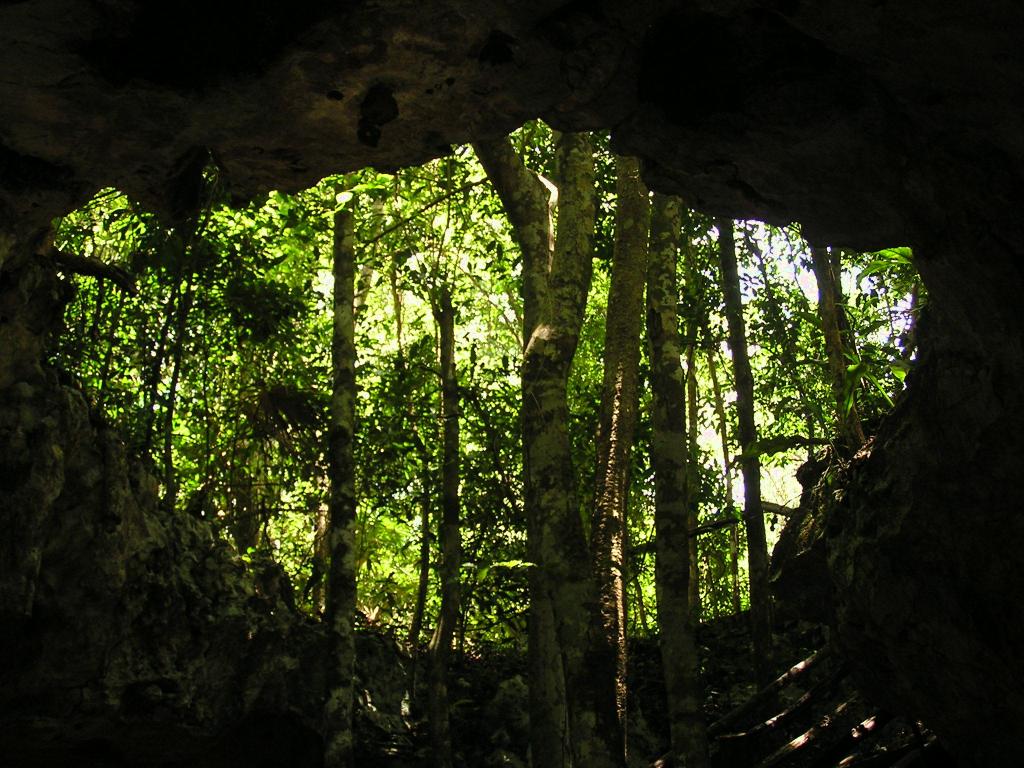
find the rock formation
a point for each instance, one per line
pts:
(873, 123)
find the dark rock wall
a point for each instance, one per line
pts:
(924, 552)
(873, 123)
(130, 634)
(125, 632)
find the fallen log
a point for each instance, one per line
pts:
(853, 741)
(824, 688)
(751, 705)
(825, 727)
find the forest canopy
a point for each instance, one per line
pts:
(207, 342)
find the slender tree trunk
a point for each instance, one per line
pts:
(423, 584)
(108, 356)
(341, 574)
(450, 536)
(416, 626)
(838, 342)
(564, 561)
(908, 339)
(321, 557)
(617, 420)
(556, 280)
(245, 522)
(693, 468)
(723, 432)
(641, 607)
(753, 515)
(177, 356)
(528, 205)
(152, 385)
(671, 493)
(697, 318)
(549, 726)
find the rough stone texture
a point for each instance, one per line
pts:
(874, 123)
(924, 554)
(799, 578)
(130, 635)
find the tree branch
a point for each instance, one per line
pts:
(83, 265)
(423, 209)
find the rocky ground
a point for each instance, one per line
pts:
(815, 719)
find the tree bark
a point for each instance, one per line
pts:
(450, 536)
(671, 492)
(556, 281)
(753, 516)
(529, 206)
(423, 582)
(693, 452)
(317, 580)
(838, 342)
(723, 431)
(341, 574)
(617, 419)
(416, 626)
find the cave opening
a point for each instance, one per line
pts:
(167, 424)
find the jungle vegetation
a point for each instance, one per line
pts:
(508, 398)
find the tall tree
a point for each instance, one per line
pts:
(617, 421)
(341, 575)
(449, 530)
(563, 595)
(839, 343)
(696, 317)
(693, 466)
(723, 434)
(672, 491)
(750, 463)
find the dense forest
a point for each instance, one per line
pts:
(506, 383)
(504, 405)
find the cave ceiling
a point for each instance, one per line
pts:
(844, 115)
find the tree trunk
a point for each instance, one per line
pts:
(318, 578)
(341, 581)
(723, 432)
(693, 463)
(108, 356)
(177, 357)
(151, 386)
(450, 536)
(641, 607)
(416, 626)
(556, 281)
(528, 205)
(696, 320)
(671, 493)
(423, 582)
(617, 420)
(838, 342)
(753, 516)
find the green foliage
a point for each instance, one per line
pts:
(218, 372)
